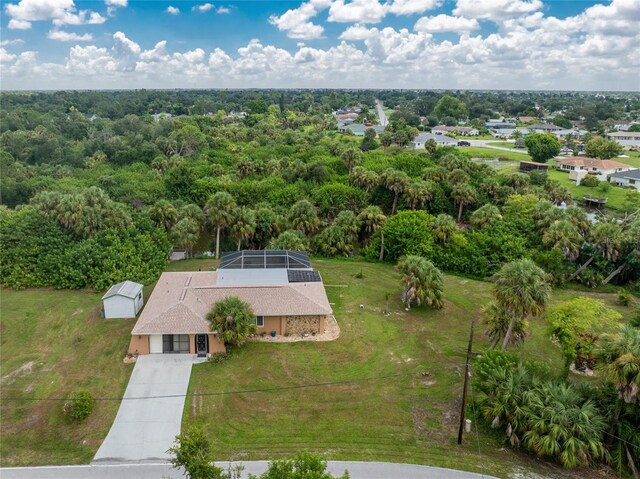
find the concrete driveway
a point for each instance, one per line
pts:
(146, 424)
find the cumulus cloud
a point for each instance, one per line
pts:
(527, 51)
(14, 41)
(357, 11)
(172, 10)
(410, 7)
(445, 23)
(222, 10)
(60, 12)
(295, 22)
(116, 3)
(202, 8)
(61, 36)
(495, 9)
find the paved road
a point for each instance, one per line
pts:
(483, 143)
(145, 428)
(357, 470)
(382, 118)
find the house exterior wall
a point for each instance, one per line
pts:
(155, 344)
(139, 302)
(294, 325)
(215, 344)
(272, 323)
(139, 345)
(626, 182)
(119, 307)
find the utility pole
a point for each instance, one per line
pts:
(466, 381)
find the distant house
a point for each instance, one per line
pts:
(623, 126)
(358, 129)
(459, 130)
(123, 300)
(494, 124)
(235, 116)
(625, 138)
(527, 119)
(545, 128)
(158, 116)
(441, 140)
(508, 132)
(578, 167)
(629, 178)
(575, 133)
(285, 293)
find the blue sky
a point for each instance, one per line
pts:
(523, 44)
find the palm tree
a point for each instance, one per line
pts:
(444, 227)
(243, 226)
(498, 324)
(289, 240)
(350, 224)
(185, 234)
(579, 218)
(563, 235)
(423, 282)
(351, 156)
(363, 178)
(463, 194)
(517, 181)
(396, 182)
(219, 211)
(486, 215)
(620, 356)
(563, 425)
(607, 236)
(457, 176)
(419, 193)
(371, 220)
(194, 213)
(266, 226)
(521, 291)
(303, 217)
(163, 213)
(233, 319)
(434, 173)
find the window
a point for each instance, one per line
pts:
(175, 343)
(632, 182)
(260, 321)
(139, 295)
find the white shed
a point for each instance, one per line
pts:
(123, 300)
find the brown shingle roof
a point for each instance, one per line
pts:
(593, 163)
(180, 302)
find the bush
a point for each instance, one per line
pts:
(79, 406)
(406, 233)
(590, 181)
(624, 297)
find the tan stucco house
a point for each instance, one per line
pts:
(285, 293)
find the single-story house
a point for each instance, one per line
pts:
(460, 130)
(158, 116)
(441, 140)
(528, 166)
(625, 138)
(358, 129)
(494, 124)
(123, 300)
(544, 128)
(575, 133)
(285, 293)
(591, 166)
(630, 178)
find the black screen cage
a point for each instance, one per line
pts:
(263, 259)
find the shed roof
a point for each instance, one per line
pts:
(128, 289)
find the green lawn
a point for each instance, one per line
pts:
(504, 144)
(399, 382)
(481, 152)
(616, 195)
(53, 342)
(633, 160)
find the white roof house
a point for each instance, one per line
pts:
(419, 141)
(625, 138)
(630, 179)
(123, 300)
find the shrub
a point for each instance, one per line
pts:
(590, 181)
(79, 406)
(624, 297)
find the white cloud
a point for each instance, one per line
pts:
(446, 23)
(173, 10)
(116, 3)
(222, 10)
(495, 9)
(295, 22)
(6, 57)
(125, 46)
(357, 11)
(61, 36)
(15, 41)
(19, 24)
(410, 7)
(60, 12)
(355, 32)
(202, 8)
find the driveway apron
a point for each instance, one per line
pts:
(150, 414)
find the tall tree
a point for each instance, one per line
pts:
(619, 354)
(351, 157)
(363, 178)
(243, 226)
(563, 235)
(463, 194)
(542, 146)
(419, 193)
(396, 182)
(220, 210)
(371, 219)
(444, 227)
(185, 234)
(423, 282)
(598, 147)
(521, 291)
(304, 217)
(486, 215)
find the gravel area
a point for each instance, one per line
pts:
(331, 332)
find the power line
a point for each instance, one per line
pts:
(221, 393)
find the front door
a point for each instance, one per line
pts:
(202, 345)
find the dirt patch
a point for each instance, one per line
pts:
(26, 368)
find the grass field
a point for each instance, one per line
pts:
(394, 382)
(53, 343)
(481, 152)
(504, 144)
(616, 195)
(633, 160)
